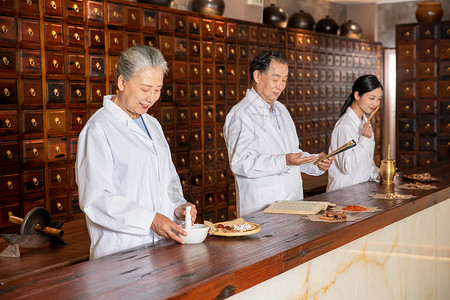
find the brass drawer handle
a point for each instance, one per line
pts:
(58, 178)
(96, 11)
(220, 71)
(407, 34)
(57, 121)
(406, 52)
(210, 115)
(221, 93)
(195, 71)
(232, 72)
(30, 32)
(133, 17)
(57, 149)
(4, 29)
(195, 48)
(29, 2)
(166, 45)
(208, 92)
(208, 49)
(150, 19)
(78, 92)
(134, 43)
(427, 70)
(116, 40)
(77, 64)
(8, 123)
(406, 89)
(9, 154)
(197, 159)
(168, 140)
(196, 115)
(243, 52)
(76, 36)
(406, 144)
(196, 137)
(9, 185)
(31, 61)
(208, 71)
(196, 94)
(182, 116)
(5, 61)
(33, 122)
(428, 52)
(197, 181)
(59, 206)
(115, 14)
(243, 72)
(55, 63)
(406, 160)
(97, 38)
(427, 145)
(183, 161)
(6, 92)
(210, 157)
(181, 70)
(166, 22)
(168, 117)
(98, 66)
(427, 88)
(195, 26)
(210, 137)
(53, 4)
(98, 93)
(79, 120)
(210, 199)
(183, 138)
(407, 126)
(56, 92)
(35, 152)
(232, 51)
(181, 93)
(32, 92)
(222, 176)
(208, 27)
(427, 108)
(220, 29)
(35, 181)
(168, 93)
(76, 8)
(54, 34)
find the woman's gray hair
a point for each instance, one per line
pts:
(137, 58)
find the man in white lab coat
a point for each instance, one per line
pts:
(128, 186)
(262, 142)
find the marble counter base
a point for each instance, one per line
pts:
(409, 259)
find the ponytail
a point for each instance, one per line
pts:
(347, 103)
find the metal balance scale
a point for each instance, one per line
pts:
(36, 229)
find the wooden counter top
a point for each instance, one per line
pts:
(222, 266)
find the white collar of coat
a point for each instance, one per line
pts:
(354, 117)
(260, 103)
(121, 115)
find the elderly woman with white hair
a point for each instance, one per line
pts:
(128, 186)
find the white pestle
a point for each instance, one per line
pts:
(187, 218)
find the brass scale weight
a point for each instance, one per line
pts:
(35, 230)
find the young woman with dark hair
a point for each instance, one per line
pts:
(355, 165)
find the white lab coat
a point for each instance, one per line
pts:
(355, 165)
(124, 178)
(257, 151)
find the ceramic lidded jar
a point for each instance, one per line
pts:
(274, 16)
(429, 11)
(327, 25)
(166, 3)
(302, 20)
(209, 7)
(351, 30)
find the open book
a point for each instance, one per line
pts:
(348, 145)
(297, 207)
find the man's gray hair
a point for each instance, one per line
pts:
(137, 58)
